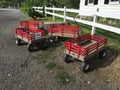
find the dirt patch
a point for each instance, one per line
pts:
(109, 69)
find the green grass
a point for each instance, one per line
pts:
(52, 66)
(113, 39)
(63, 77)
(114, 22)
(25, 10)
(46, 56)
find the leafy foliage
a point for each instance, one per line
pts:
(32, 13)
(30, 3)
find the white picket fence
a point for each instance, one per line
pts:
(93, 23)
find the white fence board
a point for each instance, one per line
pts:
(58, 9)
(108, 15)
(48, 8)
(38, 7)
(73, 10)
(55, 14)
(39, 11)
(108, 28)
(102, 26)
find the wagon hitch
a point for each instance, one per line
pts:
(25, 63)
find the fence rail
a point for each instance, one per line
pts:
(38, 9)
(93, 23)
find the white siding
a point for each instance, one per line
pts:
(82, 3)
(101, 2)
(102, 8)
(114, 8)
(110, 8)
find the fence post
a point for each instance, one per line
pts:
(53, 13)
(64, 13)
(35, 9)
(45, 11)
(94, 21)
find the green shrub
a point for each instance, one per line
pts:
(32, 13)
(25, 10)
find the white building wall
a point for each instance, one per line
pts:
(111, 7)
(100, 2)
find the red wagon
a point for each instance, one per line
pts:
(58, 30)
(30, 34)
(30, 24)
(82, 48)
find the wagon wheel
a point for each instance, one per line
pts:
(51, 39)
(67, 58)
(85, 67)
(56, 39)
(32, 47)
(102, 54)
(44, 45)
(18, 41)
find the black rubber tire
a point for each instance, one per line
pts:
(32, 47)
(18, 41)
(44, 45)
(51, 39)
(102, 54)
(56, 39)
(85, 67)
(67, 59)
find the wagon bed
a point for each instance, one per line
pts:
(30, 24)
(84, 46)
(64, 31)
(29, 36)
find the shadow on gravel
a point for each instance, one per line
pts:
(54, 45)
(23, 44)
(96, 62)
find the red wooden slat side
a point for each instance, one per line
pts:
(30, 24)
(67, 29)
(81, 38)
(23, 33)
(72, 46)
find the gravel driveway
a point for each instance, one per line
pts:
(15, 76)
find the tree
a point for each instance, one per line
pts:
(56, 3)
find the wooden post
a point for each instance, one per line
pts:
(64, 13)
(94, 20)
(53, 13)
